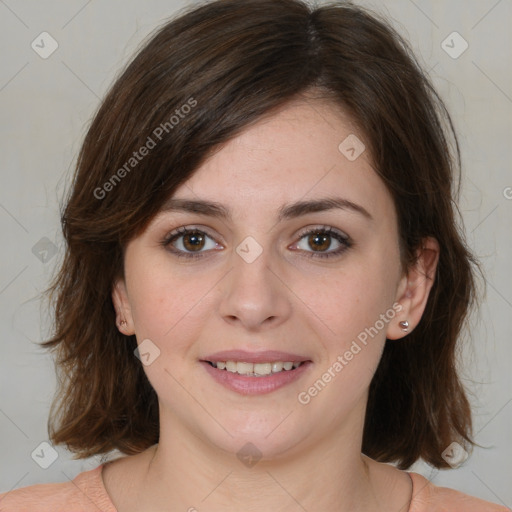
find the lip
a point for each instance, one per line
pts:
(246, 385)
(243, 356)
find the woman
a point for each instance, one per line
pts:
(264, 281)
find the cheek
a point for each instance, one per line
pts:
(168, 302)
(169, 308)
(355, 306)
(348, 301)
(355, 316)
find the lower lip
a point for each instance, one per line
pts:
(246, 385)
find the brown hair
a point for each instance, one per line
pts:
(200, 80)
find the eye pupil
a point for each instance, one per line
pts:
(319, 241)
(193, 241)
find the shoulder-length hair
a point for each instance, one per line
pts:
(199, 81)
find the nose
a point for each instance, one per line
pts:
(255, 296)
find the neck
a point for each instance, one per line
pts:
(185, 472)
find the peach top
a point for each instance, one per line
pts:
(86, 493)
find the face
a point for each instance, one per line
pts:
(271, 283)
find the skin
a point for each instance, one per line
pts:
(284, 300)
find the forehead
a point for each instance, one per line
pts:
(307, 149)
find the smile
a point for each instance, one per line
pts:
(255, 369)
(256, 378)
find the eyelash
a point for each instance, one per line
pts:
(344, 240)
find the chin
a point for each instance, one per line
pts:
(253, 440)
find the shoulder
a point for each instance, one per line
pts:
(85, 493)
(427, 497)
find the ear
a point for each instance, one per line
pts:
(124, 318)
(414, 288)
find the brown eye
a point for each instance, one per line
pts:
(190, 242)
(193, 241)
(323, 243)
(319, 241)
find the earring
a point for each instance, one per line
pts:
(122, 323)
(404, 325)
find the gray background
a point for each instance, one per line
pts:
(46, 104)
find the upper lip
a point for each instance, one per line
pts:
(254, 357)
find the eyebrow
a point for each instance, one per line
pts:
(285, 212)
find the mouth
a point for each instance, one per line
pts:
(250, 373)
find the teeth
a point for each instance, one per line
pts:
(256, 369)
(277, 367)
(262, 368)
(244, 368)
